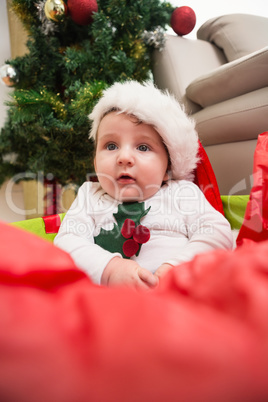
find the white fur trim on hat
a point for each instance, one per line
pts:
(163, 112)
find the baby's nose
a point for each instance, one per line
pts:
(125, 157)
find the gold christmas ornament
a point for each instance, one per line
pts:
(8, 75)
(55, 10)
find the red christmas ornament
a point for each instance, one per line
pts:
(81, 11)
(128, 228)
(141, 234)
(130, 247)
(183, 20)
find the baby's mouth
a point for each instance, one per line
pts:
(125, 179)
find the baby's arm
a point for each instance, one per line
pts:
(205, 228)
(76, 237)
(121, 271)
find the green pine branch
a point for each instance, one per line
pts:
(61, 77)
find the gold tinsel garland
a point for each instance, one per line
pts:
(22, 12)
(23, 98)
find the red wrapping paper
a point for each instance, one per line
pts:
(205, 179)
(52, 223)
(255, 223)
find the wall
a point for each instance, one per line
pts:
(11, 194)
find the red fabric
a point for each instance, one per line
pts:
(255, 224)
(130, 247)
(128, 228)
(141, 234)
(52, 223)
(205, 179)
(201, 336)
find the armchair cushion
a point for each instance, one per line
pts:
(231, 80)
(237, 34)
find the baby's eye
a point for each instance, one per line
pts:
(143, 148)
(111, 147)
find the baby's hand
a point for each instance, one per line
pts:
(120, 271)
(162, 270)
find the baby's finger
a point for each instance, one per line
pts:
(148, 277)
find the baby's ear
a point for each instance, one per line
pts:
(168, 173)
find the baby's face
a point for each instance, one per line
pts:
(131, 160)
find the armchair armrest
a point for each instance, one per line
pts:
(230, 80)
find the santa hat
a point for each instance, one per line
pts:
(163, 112)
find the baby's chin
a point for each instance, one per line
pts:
(125, 198)
(130, 192)
(130, 195)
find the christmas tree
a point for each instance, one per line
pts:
(76, 48)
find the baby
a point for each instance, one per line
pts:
(144, 215)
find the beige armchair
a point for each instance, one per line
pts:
(222, 80)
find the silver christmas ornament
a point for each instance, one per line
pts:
(8, 75)
(155, 38)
